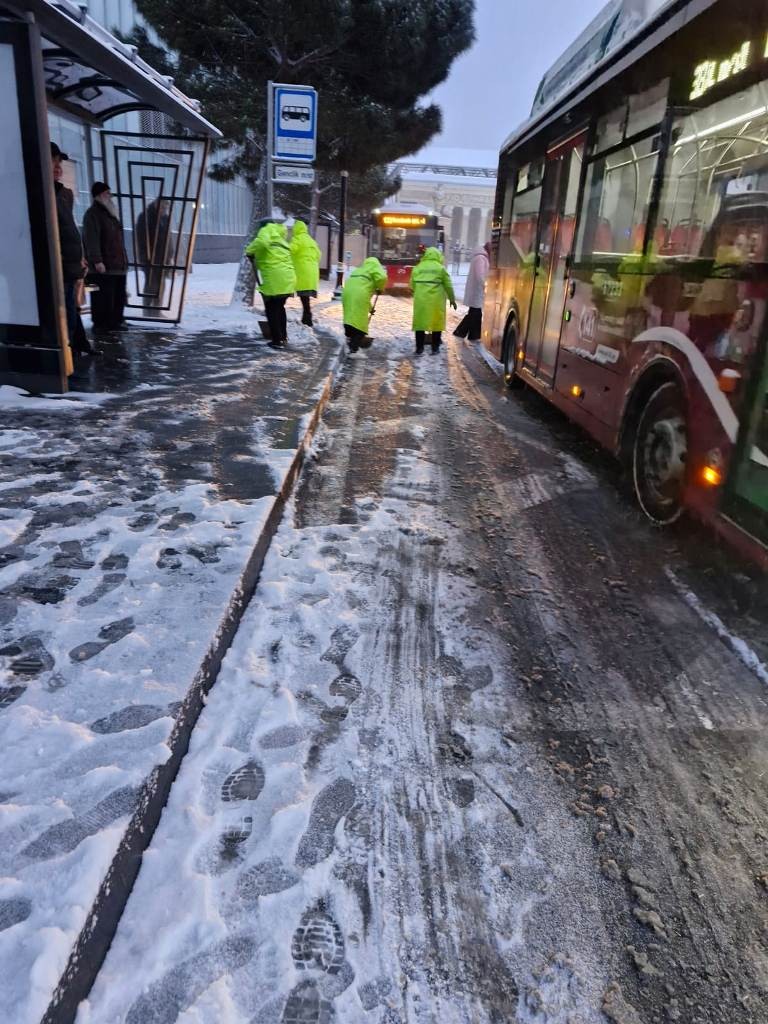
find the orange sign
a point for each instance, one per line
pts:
(402, 220)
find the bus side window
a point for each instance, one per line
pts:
(616, 201)
(510, 179)
(524, 228)
(716, 180)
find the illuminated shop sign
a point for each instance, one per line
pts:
(714, 72)
(402, 220)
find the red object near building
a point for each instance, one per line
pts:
(397, 236)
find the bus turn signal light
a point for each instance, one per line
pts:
(712, 476)
(577, 392)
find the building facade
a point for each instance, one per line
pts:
(459, 185)
(225, 207)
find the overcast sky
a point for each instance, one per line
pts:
(491, 87)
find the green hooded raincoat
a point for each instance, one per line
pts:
(358, 291)
(272, 253)
(305, 253)
(431, 287)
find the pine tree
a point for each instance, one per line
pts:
(371, 60)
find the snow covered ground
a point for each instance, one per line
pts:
(471, 758)
(329, 782)
(127, 517)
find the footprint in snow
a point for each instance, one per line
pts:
(66, 835)
(233, 836)
(169, 558)
(109, 634)
(141, 522)
(29, 657)
(9, 694)
(283, 736)
(462, 791)
(246, 783)
(135, 716)
(347, 686)
(264, 879)
(329, 807)
(305, 1005)
(14, 911)
(373, 993)
(318, 943)
(343, 639)
(176, 991)
(109, 582)
(114, 562)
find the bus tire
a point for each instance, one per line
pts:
(509, 358)
(659, 453)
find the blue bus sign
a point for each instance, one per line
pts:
(295, 122)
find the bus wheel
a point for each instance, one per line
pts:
(659, 455)
(510, 358)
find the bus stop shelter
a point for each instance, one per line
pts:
(53, 56)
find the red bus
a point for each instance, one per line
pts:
(397, 234)
(629, 276)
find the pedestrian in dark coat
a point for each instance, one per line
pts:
(107, 259)
(71, 252)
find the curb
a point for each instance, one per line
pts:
(98, 931)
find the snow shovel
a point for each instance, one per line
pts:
(367, 341)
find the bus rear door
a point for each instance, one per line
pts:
(562, 179)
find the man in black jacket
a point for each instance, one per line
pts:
(107, 259)
(71, 252)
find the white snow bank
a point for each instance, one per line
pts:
(74, 401)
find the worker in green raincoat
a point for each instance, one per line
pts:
(356, 298)
(305, 253)
(431, 286)
(271, 255)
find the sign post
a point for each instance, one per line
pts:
(270, 145)
(291, 136)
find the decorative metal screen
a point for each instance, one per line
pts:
(156, 181)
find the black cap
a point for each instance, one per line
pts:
(56, 152)
(98, 187)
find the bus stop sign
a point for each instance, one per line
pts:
(295, 122)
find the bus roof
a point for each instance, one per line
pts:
(616, 31)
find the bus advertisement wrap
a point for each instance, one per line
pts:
(629, 281)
